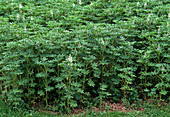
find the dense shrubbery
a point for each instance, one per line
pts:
(70, 54)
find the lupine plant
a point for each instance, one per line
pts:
(67, 53)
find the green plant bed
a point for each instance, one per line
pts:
(150, 110)
(68, 54)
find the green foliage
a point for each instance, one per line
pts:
(150, 110)
(69, 53)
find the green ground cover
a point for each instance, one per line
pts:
(150, 111)
(62, 55)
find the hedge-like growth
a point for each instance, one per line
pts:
(76, 53)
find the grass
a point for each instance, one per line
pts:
(150, 111)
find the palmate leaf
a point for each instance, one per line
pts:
(15, 91)
(41, 75)
(32, 84)
(91, 83)
(86, 72)
(80, 91)
(59, 85)
(97, 73)
(76, 84)
(41, 93)
(49, 88)
(32, 91)
(159, 85)
(23, 81)
(146, 90)
(163, 92)
(115, 80)
(73, 103)
(103, 87)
